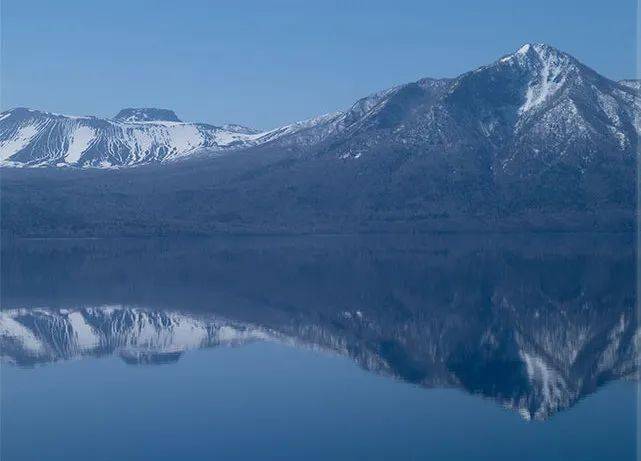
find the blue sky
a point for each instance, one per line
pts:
(266, 63)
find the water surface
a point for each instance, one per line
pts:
(380, 347)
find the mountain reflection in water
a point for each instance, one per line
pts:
(532, 322)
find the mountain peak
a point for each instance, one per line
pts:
(544, 72)
(538, 48)
(525, 49)
(146, 114)
(536, 53)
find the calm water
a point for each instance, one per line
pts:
(395, 347)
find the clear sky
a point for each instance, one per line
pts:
(264, 63)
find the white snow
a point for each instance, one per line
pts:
(298, 126)
(17, 142)
(85, 336)
(81, 139)
(10, 328)
(231, 334)
(225, 138)
(519, 53)
(551, 78)
(63, 333)
(187, 333)
(184, 138)
(549, 383)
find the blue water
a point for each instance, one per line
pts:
(319, 349)
(269, 401)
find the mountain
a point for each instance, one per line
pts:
(133, 137)
(530, 108)
(537, 115)
(146, 115)
(527, 109)
(535, 140)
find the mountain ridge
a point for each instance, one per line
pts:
(547, 64)
(134, 136)
(535, 140)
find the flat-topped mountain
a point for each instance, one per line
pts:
(146, 115)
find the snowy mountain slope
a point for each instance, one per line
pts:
(133, 137)
(634, 84)
(533, 106)
(526, 110)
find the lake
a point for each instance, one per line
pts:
(446, 347)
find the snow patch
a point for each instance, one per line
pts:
(550, 80)
(10, 328)
(17, 142)
(549, 383)
(81, 139)
(86, 337)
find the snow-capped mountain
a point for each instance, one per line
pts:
(527, 109)
(135, 136)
